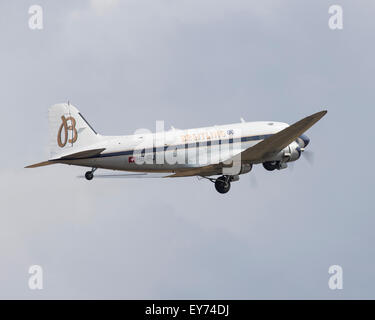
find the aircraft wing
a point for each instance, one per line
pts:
(261, 150)
(208, 170)
(77, 155)
(280, 140)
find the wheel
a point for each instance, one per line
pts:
(270, 166)
(222, 184)
(89, 175)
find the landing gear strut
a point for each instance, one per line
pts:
(89, 175)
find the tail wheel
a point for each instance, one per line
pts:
(89, 175)
(222, 184)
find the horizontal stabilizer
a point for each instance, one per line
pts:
(73, 156)
(128, 175)
(41, 164)
(83, 154)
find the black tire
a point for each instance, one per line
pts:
(222, 185)
(270, 166)
(89, 175)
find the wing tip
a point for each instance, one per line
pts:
(322, 113)
(318, 115)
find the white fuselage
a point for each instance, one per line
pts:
(175, 149)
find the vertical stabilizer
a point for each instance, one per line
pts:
(69, 131)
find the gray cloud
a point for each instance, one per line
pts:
(190, 63)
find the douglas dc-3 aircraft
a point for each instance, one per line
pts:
(226, 151)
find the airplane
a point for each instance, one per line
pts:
(218, 153)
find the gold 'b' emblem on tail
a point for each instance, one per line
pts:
(72, 127)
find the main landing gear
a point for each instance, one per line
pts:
(272, 165)
(222, 184)
(89, 175)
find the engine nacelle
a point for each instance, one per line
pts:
(291, 152)
(245, 168)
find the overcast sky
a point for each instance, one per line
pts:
(126, 64)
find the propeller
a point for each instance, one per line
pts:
(309, 155)
(253, 181)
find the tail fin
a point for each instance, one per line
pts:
(69, 131)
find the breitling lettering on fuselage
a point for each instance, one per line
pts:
(208, 135)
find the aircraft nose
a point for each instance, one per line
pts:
(305, 139)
